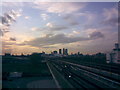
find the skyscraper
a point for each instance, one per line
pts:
(63, 51)
(60, 51)
(66, 51)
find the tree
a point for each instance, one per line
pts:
(36, 59)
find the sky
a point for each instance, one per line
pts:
(86, 27)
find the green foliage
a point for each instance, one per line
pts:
(36, 59)
(99, 58)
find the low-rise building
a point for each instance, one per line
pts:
(114, 55)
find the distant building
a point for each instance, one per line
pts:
(43, 52)
(60, 51)
(65, 51)
(7, 54)
(78, 53)
(54, 52)
(114, 56)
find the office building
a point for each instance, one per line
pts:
(66, 51)
(114, 56)
(60, 51)
(63, 51)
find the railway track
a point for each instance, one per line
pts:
(109, 67)
(75, 74)
(101, 72)
(74, 79)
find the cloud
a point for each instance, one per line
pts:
(6, 46)
(58, 27)
(1, 33)
(44, 16)
(91, 30)
(50, 27)
(110, 13)
(73, 18)
(110, 16)
(8, 19)
(56, 39)
(12, 4)
(48, 47)
(54, 27)
(59, 39)
(96, 35)
(12, 39)
(59, 7)
(74, 33)
(34, 28)
(27, 17)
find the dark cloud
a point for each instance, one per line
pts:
(111, 21)
(74, 23)
(110, 16)
(71, 19)
(7, 19)
(67, 16)
(1, 33)
(96, 35)
(60, 39)
(12, 39)
(55, 28)
(56, 39)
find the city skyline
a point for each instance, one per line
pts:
(80, 27)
